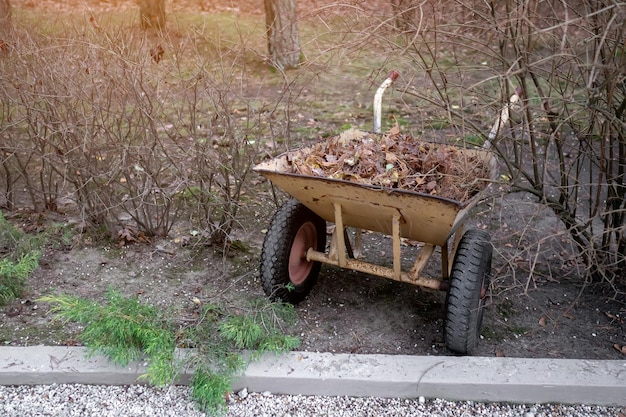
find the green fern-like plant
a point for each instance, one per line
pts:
(259, 329)
(124, 329)
(209, 388)
(15, 244)
(14, 275)
(20, 257)
(228, 338)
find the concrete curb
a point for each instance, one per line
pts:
(531, 381)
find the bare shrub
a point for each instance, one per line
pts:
(566, 144)
(134, 142)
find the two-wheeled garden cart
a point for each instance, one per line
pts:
(295, 242)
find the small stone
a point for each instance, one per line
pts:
(243, 394)
(266, 394)
(421, 400)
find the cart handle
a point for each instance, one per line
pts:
(504, 117)
(378, 97)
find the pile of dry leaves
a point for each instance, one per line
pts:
(395, 160)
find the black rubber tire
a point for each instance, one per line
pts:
(276, 278)
(469, 282)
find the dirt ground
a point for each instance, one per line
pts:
(546, 313)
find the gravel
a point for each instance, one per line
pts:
(141, 400)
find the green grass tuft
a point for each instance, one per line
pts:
(20, 257)
(14, 275)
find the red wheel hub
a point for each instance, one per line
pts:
(299, 267)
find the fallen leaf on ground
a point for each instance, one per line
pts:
(542, 321)
(125, 236)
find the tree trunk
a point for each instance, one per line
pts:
(283, 42)
(404, 14)
(5, 14)
(151, 14)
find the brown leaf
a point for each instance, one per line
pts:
(395, 130)
(125, 236)
(367, 158)
(94, 22)
(390, 158)
(431, 185)
(4, 47)
(141, 237)
(157, 53)
(542, 321)
(620, 349)
(499, 354)
(350, 135)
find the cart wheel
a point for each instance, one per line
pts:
(469, 282)
(285, 273)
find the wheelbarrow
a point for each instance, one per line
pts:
(295, 243)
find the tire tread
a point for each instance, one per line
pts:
(472, 261)
(276, 251)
